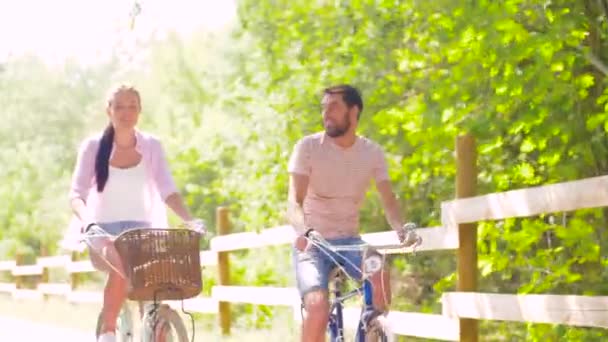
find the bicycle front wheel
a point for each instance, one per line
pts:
(124, 325)
(164, 325)
(376, 335)
(377, 331)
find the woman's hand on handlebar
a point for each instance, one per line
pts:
(88, 226)
(196, 225)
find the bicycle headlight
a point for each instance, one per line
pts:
(372, 264)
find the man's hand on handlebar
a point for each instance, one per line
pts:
(302, 241)
(407, 235)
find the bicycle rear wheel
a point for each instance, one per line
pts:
(164, 324)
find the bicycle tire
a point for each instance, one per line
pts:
(375, 336)
(164, 316)
(377, 332)
(124, 325)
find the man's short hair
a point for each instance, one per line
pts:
(350, 95)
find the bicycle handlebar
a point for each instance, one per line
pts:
(315, 237)
(94, 230)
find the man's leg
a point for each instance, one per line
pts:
(381, 285)
(316, 304)
(312, 278)
(378, 324)
(381, 289)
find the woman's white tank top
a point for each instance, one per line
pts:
(125, 196)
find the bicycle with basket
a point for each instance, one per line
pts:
(158, 264)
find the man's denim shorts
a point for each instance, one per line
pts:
(313, 266)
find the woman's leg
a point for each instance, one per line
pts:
(114, 296)
(105, 258)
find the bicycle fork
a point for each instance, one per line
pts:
(336, 324)
(336, 320)
(368, 313)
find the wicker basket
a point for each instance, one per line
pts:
(160, 264)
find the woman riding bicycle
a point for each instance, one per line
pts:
(121, 181)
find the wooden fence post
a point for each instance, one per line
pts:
(74, 276)
(44, 277)
(466, 186)
(19, 281)
(223, 228)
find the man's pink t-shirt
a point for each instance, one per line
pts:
(338, 180)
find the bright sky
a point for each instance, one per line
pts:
(87, 29)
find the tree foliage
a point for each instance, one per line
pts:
(526, 77)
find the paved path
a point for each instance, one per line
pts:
(14, 329)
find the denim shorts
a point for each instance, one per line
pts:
(117, 227)
(313, 266)
(96, 248)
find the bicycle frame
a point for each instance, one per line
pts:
(335, 325)
(336, 319)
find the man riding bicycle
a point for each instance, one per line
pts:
(330, 173)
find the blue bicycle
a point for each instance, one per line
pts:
(371, 327)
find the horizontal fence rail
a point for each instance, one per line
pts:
(584, 311)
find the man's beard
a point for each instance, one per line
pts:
(338, 131)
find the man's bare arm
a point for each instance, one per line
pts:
(390, 204)
(406, 234)
(298, 186)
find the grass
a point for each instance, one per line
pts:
(83, 317)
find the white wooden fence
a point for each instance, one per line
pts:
(588, 311)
